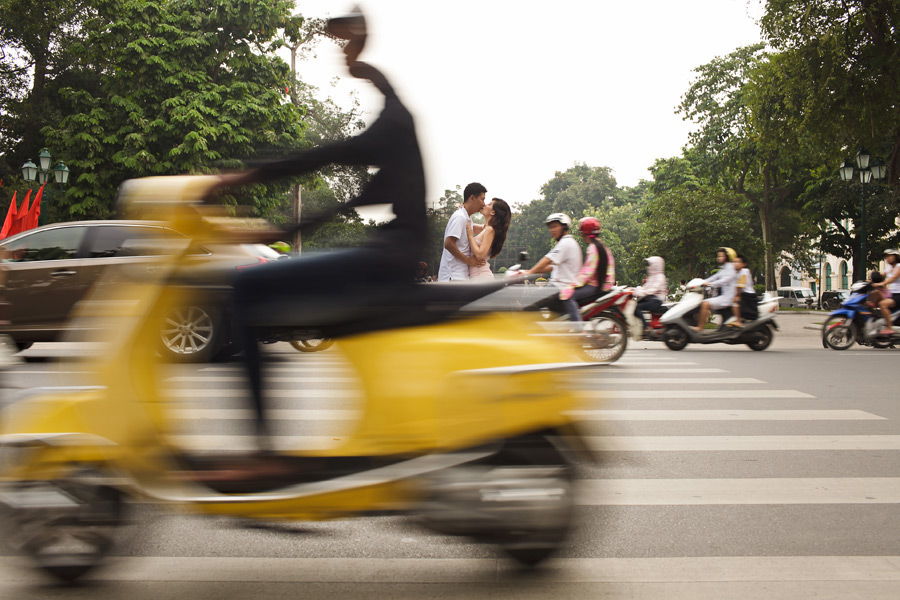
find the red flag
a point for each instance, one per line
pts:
(18, 225)
(10, 218)
(32, 220)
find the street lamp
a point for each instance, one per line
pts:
(866, 174)
(60, 172)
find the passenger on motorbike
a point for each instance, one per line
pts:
(598, 273)
(885, 293)
(724, 280)
(652, 293)
(745, 302)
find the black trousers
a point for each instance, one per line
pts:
(308, 291)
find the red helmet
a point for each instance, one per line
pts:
(589, 226)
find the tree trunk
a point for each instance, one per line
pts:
(765, 217)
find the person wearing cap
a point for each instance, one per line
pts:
(884, 294)
(725, 280)
(389, 257)
(564, 260)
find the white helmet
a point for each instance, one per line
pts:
(893, 251)
(562, 218)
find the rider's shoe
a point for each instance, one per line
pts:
(735, 325)
(886, 331)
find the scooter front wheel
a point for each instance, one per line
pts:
(675, 338)
(66, 528)
(837, 333)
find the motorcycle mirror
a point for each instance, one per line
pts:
(523, 257)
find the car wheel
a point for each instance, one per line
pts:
(312, 345)
(190, 334)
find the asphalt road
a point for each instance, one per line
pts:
(722, 473)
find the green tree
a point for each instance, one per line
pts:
(686, 226)
(746, 141)
(191, 88)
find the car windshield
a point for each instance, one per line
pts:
(806, 293)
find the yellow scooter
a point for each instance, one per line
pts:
(464, 424)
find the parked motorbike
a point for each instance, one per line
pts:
(464, 424)
(679, 322)
(856, 322)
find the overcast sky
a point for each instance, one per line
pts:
(507, 93)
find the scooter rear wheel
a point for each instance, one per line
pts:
(760, 339)
(675, 338)
(837, 333)
(606, 339)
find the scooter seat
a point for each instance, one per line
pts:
(660, 311)
(374, 308)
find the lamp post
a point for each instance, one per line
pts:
(31, 172)
(866, 174)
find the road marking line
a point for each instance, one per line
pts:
(196, 413)
(681, 492)
(601, 379)
(584, 394)
(695, 394)
(723, 415)
(741, 443)
(664, 570)
(698, 443)
(655, 370)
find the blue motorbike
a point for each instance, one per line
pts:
(856, 322)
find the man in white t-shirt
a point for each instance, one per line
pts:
(564, 260)
(457, 256)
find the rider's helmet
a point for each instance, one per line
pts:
(892, 251)
(729, 253)
(589, 226)
(281, 247)
(561, 218)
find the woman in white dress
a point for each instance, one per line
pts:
(489, 241)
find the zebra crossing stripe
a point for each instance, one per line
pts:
(299, 414)
(658, 492)
(702, 571)
(693, 443)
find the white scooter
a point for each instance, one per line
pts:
(681, 319)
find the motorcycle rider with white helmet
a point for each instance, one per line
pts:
(725, 280)
(564, 260)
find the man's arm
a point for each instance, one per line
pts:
(543, 266)
(450, 245)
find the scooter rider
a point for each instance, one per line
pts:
(724, 280)
(652, 293)
(564, 260)
(390, 257)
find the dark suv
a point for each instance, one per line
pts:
(832, 299)
(46, 271)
